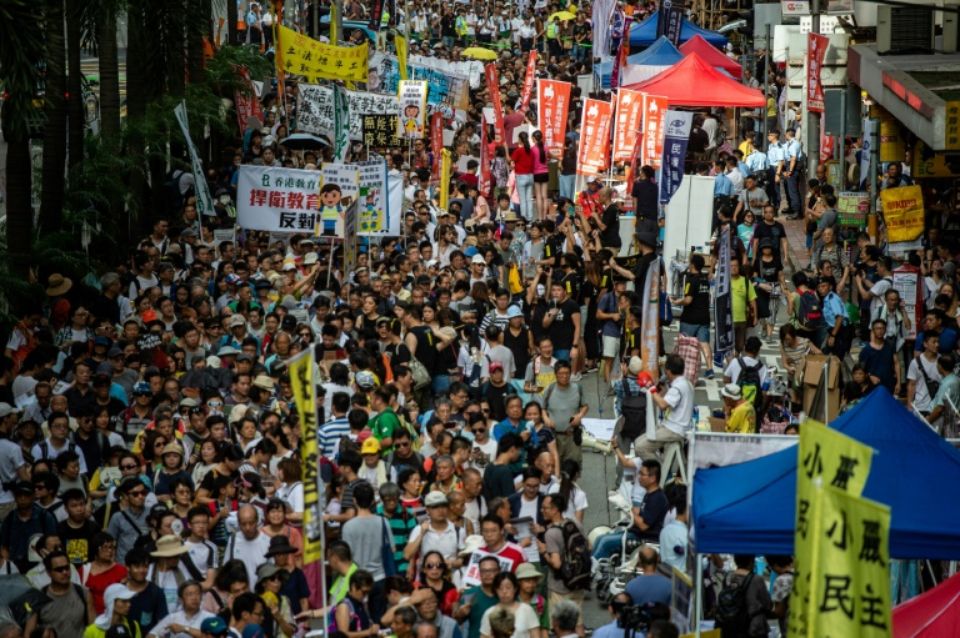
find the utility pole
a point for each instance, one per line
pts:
(766, 88)
(338, 19)
(813, 119)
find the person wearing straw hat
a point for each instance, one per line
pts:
(529, 578)
(166, 572)
(57, 287)
(740, 414)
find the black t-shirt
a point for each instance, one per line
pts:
(771, 232)
(148, 608)
(698, 311)
(640, 272)
(426, 347)
(653, 510)
(76, 541)
(610, 238)
(519, 346)
(648, 199)
(561, 330)
(496, 398)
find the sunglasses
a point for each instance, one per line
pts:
(433, 566)
(137, 493)
(60, 568)
(128, 467)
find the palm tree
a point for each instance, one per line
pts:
(109, 71)
(20, 43)
(75, 114)
(55, 130)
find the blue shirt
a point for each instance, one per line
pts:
(744, 170)
(650, 589)
(948, 341)
(794, 149)
(611, 630)
(756, 161)
(722, 186)
(506, 426)
(329, 433)
(832, 308)
(775, 154)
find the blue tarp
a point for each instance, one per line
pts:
(660, 53)
(645, 33)
(749, 508)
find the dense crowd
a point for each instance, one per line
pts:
(152, 482)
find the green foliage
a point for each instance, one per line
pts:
(21, 50)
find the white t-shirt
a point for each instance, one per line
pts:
(878, 290)
(578, 501)
(524, 621)
(447, 541)
(251, 553)
(679, 397)
(922, 399)
(292, 494)
(11, 460)
(733, 368)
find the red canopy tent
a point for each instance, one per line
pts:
(711, 55)
(694, 82)
(932, 614)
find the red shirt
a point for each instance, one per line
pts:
(523, 160)
(511, 552)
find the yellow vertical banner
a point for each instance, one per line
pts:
(445, 161)
(305, 396)
(824, 457)
(401, 43)
(334, 36)
(849, 590)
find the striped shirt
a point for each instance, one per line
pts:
(329, 435)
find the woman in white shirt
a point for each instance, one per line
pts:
(576, 498)
(526, 624)
(291, 489)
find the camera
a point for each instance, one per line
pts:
(638, 617)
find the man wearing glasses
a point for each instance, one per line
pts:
(70, 606)
(475, 601)
(130, 521)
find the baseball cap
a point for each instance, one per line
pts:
(495, 365)
(435, 498)
(6, 410)
(141, 388)
(215, 626)
(478, 259)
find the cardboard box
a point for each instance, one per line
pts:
(814, 387)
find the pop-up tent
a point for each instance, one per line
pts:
(710, 55)
(693, 82)
(932, 614)
(656, 58)
(644, 33)
(750, 508)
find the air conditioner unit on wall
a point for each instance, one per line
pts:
(904, 29)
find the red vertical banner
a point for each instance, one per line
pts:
(245, 99)
(553, 104)
(594, 148)
(627, 124)
(654, 122)
(436, 140)
(493, 88)
(528, 80)
(816, 50)
(485, 177)
(620, 59)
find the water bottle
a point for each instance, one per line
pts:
(760, 565)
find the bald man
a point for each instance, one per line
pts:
(248, 544)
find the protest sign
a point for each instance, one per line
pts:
(628, 124)
(654, 119)
(343, 175)
(277, 199)
(553, 102)
(379, 129)
(722, 311)
(823, 455)
(300, 369)
(528, 79)
(816, 50)
(341, 122)
(470, 69)
(445, 165)
(903, 216)
(444, 88)
(650, 336)
(246, 99)
(906, 281)
(316, 60)
(676, 136)
(594, 137)
(373, 205)
(315, 109)
(493, 88)
(412, 97)
(472, 576)
(400, 42)
(202, 189)
(436, 139)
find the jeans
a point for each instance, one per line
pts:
(567, 185)
(441, 383)
(561, 355)
(793, 193)
(610, 544)
(525, 193)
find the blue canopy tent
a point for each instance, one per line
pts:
(645, 33)
(749, 508)
(349, 25)
(661, 53)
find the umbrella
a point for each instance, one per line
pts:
(563, 16)
(479, 53)
(303, 142)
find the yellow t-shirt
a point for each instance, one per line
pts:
(743, 419)
(742, 293)
(746, 147)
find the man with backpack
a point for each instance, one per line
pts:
(68, 605)
(744, 602)
(566, 552)
(807, 310)
(748, 372)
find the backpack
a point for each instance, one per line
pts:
(731, 611)
(749, 382)
(634, 412)
(809, 314)
(575, 570)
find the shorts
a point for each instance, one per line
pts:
(562, 355)
(611, 347)
(698, 330)
(541, 178)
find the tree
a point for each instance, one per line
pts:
(20, 44)
(109, 71)
(76, 117)
(55, 129)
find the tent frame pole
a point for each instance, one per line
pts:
(698, 595)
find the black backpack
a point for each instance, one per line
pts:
(634, 411)
(731, 613)
(749, 382)
(809, 311)
(574, 573)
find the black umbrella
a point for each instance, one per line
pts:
(304, 142)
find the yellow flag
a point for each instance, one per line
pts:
(401, 44)
(850, 585)
(903, 213)
(318, 61)
(305, 397)
(824, 457)
(445, 161)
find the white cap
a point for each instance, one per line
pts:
(478, 259)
